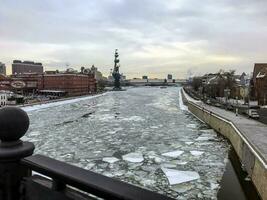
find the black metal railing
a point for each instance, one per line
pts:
(59, 180)
(98, 185)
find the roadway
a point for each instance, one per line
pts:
(254, 131)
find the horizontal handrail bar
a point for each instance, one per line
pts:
(93, 183)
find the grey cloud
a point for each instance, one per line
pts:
(198, 34)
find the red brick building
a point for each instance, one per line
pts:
(254, 90)
(69, 84)
(261, 86)
(72, 84)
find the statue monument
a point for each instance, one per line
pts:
(116, 72)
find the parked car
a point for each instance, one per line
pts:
(218, 105)
(253, 113)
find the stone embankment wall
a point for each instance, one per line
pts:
(250, 158)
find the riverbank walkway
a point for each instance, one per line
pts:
(255, 132)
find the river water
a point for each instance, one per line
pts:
(143, 136)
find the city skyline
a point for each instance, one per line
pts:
(154, 38)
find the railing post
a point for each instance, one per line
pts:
(58, 185)
(14, 123)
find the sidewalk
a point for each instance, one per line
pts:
(254, 131)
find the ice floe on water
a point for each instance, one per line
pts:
(196, 153)
(207, 131)
(173, 154)
(134, 157)
(182, 188)
(131, 136)
(177, 176)
(134, 118)
(110, 159)
(205, 137)
(112, 132)
(214, 186)
(181, 162)
(191, 125)
(189, 143)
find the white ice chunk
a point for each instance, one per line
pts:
(89, 165)
(205, 137)
(177, 177)
(134, 157)
(181, 162)
(168, 165)
(118, 129)
(110, 159)
(214, 186)
(191, 125)
(173, 154)
(133, 118)
(112, 132)
(196, 153)
(189, 143)
(155, 158)
(207, 131)
(181, 188)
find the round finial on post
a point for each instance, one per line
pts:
(14, 123)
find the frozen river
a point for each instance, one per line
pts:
(143, 136)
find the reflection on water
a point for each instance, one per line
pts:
(140, 136)
(234, 184)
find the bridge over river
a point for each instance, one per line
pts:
(143, 136)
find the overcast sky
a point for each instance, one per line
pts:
(154, 37)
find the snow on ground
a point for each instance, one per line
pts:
(181, 103)
(190, 98)
(59, 103)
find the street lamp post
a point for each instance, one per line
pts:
(236, 109)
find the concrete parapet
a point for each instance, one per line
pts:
(249, 156)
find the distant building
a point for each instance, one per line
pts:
(3, 99)
(19, 67)
(97, 74)
(137, 80)
(261, 86)
(156, 80)
(70, 84)
(207, 77)
(244, 79)
(144, 77)
(257, 68)
(169, 77)
(257, 83)
(2, 68)
(71, 71)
